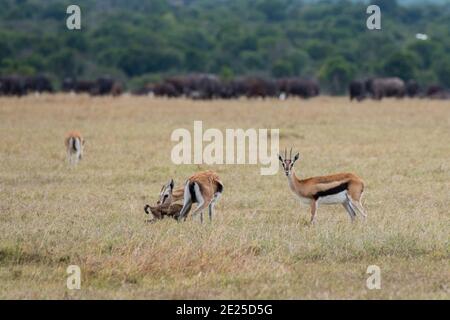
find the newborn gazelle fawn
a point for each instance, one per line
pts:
(341, 188)
(74, 146)
(159, 212)
(203, 188)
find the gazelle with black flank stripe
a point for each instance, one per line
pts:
(342, 188)
(203, 188)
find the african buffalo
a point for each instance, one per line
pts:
(357, 90)
(386, 87)
(257, 87)
(38, 84)
(412, 88)
(12, 86)
(166, 90)
(203, 86)
(303, 88)
(78, 86)
(105, 86)
(437, 92)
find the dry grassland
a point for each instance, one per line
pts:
(259, 245)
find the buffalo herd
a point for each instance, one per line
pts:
(208, 86)
(15, 85)
(205, 86)
(19, 86)
(102, 86)
(379, 88)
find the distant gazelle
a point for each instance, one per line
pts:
(341, 188)
(74, 146)
(203, 188)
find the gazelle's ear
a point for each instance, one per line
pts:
(297, 156)
(171, 183)
(280, 158)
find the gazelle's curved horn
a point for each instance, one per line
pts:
(285, 153)
(290, 154)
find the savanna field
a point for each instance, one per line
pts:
(260, 244)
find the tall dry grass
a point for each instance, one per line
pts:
(260, 244)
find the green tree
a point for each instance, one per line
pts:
(64, 64)
(336, 73)
(443, 72)
(401, 64)
(282, 68)
(426, 51)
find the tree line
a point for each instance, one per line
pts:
(140, 42)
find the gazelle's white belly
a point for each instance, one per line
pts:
(337, 198)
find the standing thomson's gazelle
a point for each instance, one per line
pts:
(74, 145)
(341, 188)
(203, 188)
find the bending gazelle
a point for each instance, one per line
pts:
(341, 188)
(74, 145)
(203, 188)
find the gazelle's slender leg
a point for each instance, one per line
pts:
(199, 209)
(210, 210)
(361, 209)
(202, 202)
(356, 206)
(185, 210)
(351, 212)
(314, 206)
(212, 204)
(187, 203)
(360, 206)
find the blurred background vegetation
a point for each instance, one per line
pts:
(140, 41)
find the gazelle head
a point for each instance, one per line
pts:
(288, 164)
(165, 196)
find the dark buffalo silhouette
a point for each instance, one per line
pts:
(237, 88)
(84, 86)
(204, 86)
(412, 88)
(166, 90)
(12, 85)
(207, 86)
(39, 84)
(434, 89)
(175, 86)
(437, 91)
(379, 88)
(195, 86)
(117, 89)
(68, 85)
(357, 90)
(146, 90)
(101, 86)
(304, 88)
(106, 86)
(258, 87)
(78, 86)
